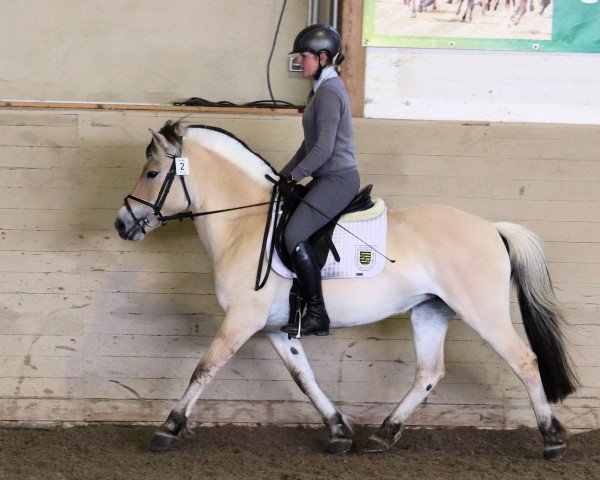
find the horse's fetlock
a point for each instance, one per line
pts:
(340, 426)
(390, 431)
(176, 423)
(553, 433)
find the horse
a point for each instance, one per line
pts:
(522, 9)
(470, 5)
(423, 4)
(448, 262)
(545, 4)
(487, 5)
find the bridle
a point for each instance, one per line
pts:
(160, 200)
(163, 219)
(162, 197)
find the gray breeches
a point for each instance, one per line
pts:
(329, 194)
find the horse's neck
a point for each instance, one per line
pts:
(219, 185)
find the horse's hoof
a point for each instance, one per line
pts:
(162, 441)
(554, 452)
(376, 444)
(339, 446)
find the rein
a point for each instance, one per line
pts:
(273, 209)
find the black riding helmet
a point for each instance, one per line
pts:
(318, 38)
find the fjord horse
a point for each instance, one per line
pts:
(447, 262)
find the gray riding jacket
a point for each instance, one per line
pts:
(328, 145)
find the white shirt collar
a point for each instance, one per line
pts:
(326, 74)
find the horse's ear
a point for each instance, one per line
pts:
(180, 128)
(159, 140)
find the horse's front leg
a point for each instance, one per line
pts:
(413, 8)
(292, 354)
(236, 329)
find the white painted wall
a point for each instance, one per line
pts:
(482, 86)
(150, 51)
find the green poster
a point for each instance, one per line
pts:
(531, 25)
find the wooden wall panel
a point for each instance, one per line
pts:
(93, 328)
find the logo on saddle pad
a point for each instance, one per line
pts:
(364, 258)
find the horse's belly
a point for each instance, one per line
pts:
(361, 301)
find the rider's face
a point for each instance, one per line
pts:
(309, 62)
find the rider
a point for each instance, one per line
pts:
(326, 155)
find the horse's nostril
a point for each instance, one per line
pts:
(119, 225)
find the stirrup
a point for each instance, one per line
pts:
(290, 334)
(293, 321)
(297, 333)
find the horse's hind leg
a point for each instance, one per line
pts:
(499, 332)
(430, 322)
(459, 7)
(292, 354)
(413, 8)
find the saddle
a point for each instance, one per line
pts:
(321, 241)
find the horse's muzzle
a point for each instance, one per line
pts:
(121, 228)
(132, 232)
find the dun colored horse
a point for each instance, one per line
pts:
(448, 263)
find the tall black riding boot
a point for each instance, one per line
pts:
(315, 320)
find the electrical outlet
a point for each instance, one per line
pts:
(293, 65)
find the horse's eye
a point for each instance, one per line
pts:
(151, 174)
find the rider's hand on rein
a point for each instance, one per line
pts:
(286, 188)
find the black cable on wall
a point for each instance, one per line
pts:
(272, 103)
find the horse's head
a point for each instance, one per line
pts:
(157, 193)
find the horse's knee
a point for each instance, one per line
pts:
(427, 378)
(200, 374)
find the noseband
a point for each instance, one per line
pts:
(160, 200)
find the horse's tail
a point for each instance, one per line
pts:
(539, 308)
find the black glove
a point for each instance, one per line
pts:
(286, 188)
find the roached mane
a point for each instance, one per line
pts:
(222, 142)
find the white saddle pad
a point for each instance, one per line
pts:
(357, 258)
